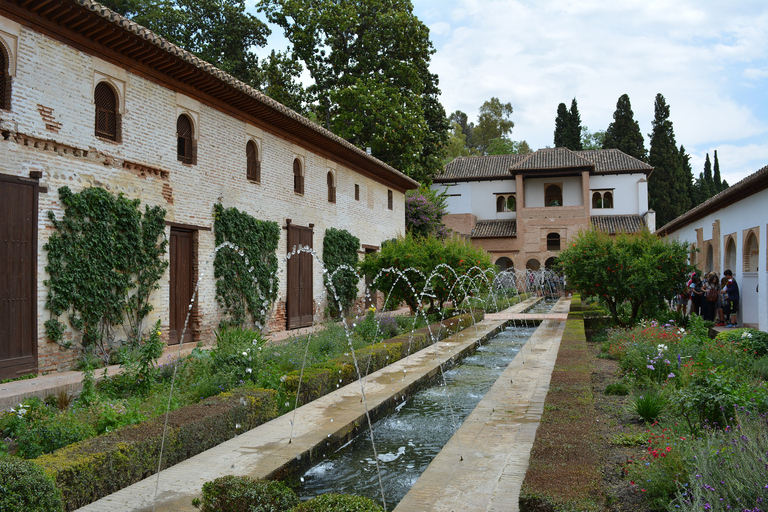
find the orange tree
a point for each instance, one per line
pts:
(627, 272)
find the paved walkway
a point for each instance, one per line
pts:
(266, 450)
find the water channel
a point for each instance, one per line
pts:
(411, 436)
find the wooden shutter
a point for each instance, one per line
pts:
(105, 101)
(186, 147)
(5, 81)
(252, 161)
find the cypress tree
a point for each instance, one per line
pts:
(562, 122)
(574, 128)
(718, 184)
(668, 190)
(686, 176)
(624, 132)
(707, 183)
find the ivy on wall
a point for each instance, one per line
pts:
(245, 270)
(104, 260)
(340, 260)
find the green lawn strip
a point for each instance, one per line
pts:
(564, 469)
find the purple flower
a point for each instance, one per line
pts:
(650, 367)
(671, 376)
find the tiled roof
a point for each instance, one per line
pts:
(148, 49)
(607, 161)
(479, 167)
(551, 158)
(613, 224)
(495, 228)
(752, 184)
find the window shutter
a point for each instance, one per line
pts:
(118, 127)
(5, 92)
(193, 153)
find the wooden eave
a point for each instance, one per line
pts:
(549, 173)
(164, 64)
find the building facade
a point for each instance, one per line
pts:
(90, 99)
(524, 208)
(727, 232)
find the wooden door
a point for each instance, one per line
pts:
(299, 300)
(182, 285)
(18, 277)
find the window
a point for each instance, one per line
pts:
(331, 188)
(252, 161)
(553, 195)
(186, 149)
(602, 199)
(5, 80)
(107, 114)
(298, 177)
(553, 242)
(390, 201)
(357, 192)
(505, 203)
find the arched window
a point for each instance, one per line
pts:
(608, 200)
(331, 188)
(751, 255)
(252, 161)
(107, 112)
(500, 204)
(550, 263)
(5, 80)
(504, 263)
(505, 204)
(730, 254)
(553, 242)
(553, 196)
(511, 204)
(186, 149)
(532, 264)
(597, 200)
(298, 176)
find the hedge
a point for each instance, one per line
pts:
(321, 379)
(94, 468)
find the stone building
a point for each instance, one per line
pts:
(90, 99)
(524, 208)
(727, 232)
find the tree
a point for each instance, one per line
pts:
(467, 129)
(628, 273)
(719, 185)
(624, 132)
(568, 127)
(591, 140)
(503, 146)
(424, 211)
(668, 189)
(492, 123)
(456, 145)
(369, 62)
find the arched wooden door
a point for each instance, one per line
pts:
(299, 299)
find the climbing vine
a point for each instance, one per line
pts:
(246, 270)
(104, 260)
(340, 250)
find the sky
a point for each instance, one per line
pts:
(709, 58)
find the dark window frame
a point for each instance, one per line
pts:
(390, 200)
(553, 241)
(357, 192)
(298, 176)
(550, 197)
(331, 179)
(107, 123)
(5, 79)
(186, 146)
(252, 162)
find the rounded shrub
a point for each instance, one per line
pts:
(338, 503)
(24, 486)
(245, 494)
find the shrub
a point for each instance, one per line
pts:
(25, 487)
(617, 389)
(747, 341)
(649, 405)
(340, 261)
(337, 503)
(245, 494)
(661, 468)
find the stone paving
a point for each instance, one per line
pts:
(481, 468)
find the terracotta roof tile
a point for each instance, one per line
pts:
(551, 158)
(613, 224)
(495, 228)
(608, 161)
(479, 167)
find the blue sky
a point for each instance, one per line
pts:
(708, 58)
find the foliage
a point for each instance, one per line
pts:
(662, 467)
(456, 145)
(340, 260)
(245, 494)
(138, 360)
(503, 146)
(405, 267)
(246, 268)
(617, 389)
(748, 341)
(634, 268)
(649, 405)
(624, 132)
(668, 185)
(592, 141)
(25, 487)
(371, 80)
(727, 468)
(337, 503)
(104, 260)
(424, 211)
(568, 127)
(492, 123)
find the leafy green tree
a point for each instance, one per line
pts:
(591, 140)
(668, 187)
(624, 132)
(502, 146)
(467, 128)
(628, 273)
(493, 122)
(456, 145)
(372, 86)
(424, 211)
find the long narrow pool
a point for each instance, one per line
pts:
(411, 436)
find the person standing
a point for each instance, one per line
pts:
(697, 295)
(732, 289)
(711, 296)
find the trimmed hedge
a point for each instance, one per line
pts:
(94, 468)
(24, 486)
(564, 471)
(245, 494)
(321, 379)
(337, 503)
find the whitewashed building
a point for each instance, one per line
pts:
(728, 231)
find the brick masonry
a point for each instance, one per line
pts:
(50, 128)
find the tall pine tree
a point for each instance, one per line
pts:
(719, 185)
(668, 189)
(574, 128)
(562, 122)
(707, 183)
(624, 132)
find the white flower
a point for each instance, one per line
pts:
(245, 353)
(661, 347)
(248, 370)
(746, 334)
